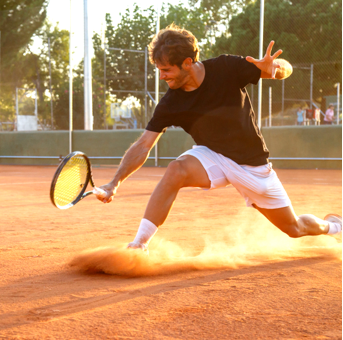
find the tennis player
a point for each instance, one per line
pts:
(208, 99)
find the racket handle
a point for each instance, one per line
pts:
(99, 192)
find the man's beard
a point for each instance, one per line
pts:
(179, 80)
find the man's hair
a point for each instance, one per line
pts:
(173, 45)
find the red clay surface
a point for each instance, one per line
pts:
(216, 269)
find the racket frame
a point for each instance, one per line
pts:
(89, 179)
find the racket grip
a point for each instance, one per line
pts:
(99, 192)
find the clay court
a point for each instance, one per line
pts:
(216, 269)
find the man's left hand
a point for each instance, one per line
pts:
(267, 64)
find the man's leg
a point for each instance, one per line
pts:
(295, 226)
(186, 171)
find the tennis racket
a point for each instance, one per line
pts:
(70, 181)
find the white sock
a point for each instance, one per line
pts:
(334, 228)
(145, 232)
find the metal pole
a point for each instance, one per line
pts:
(88, 100)
(51, 107)
(338, 101)
(105, 124)
(311, 87)
(0, 63)
(146, 86)
(270, 106)
(16, 108)
(260, 57)
(283, 96)
(70, 88)
(36, 111)
(157, 79)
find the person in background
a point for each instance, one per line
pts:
(300, 116)
(329, 115)
(316, 117)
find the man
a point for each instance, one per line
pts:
(209, 101)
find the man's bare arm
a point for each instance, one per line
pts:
(133, 159)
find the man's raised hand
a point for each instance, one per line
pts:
(267, 64)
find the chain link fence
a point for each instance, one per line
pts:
(125, 77)
(282, 99)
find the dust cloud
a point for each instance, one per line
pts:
(241, 248)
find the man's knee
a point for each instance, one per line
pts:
(176, 172)
(187, 171)
(293, 230)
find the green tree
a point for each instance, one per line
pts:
(308, 32)
(125, 70)
(59, 56)
(219, 11)
(61, 104)
(37, 64)
(192, 19)
(19, 20)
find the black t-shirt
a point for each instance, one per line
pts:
(218, 114)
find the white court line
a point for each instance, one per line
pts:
(22, 183)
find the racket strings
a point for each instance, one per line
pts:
(71, 181)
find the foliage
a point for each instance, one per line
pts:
(19, 20)
(308, 32)
(220, 10)
(125, 71)
(37, 69)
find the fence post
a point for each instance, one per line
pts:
(105, 123)
(146, 86)
(51, 105)
(338, 103)
(260, 54)
(70, 86)
(157, 83)
(87, 71)
(36, 111)
(311, 87)
(16, 108)
(283, 96)
(270, 106)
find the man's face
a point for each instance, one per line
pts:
(172, 74)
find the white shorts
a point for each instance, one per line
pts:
(258, 185)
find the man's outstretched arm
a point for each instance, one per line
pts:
(270, 66)
(133, 159)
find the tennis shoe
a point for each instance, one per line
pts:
(338, 220)
(139, 246)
